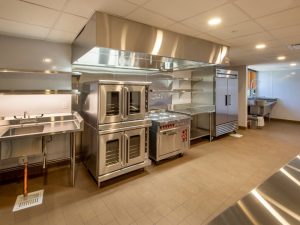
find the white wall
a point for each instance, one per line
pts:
(284, 85)
(16, 105)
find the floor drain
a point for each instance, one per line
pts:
(32, 199)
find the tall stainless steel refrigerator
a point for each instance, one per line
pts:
(217, 87)
(226, 101)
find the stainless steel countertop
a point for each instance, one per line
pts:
(48, 125)
(276, 201)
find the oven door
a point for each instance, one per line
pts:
(111, 97)
(134, 146)
(176, 139)
(134, 102)
(111, 146)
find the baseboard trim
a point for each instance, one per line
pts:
(284, 120)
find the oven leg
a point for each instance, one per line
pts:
(210, 126)
(72, 157)
(44, 152)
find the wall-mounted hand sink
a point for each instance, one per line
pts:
(13, 131)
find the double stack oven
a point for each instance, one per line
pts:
(115, 139)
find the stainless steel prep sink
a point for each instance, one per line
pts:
(24, 130)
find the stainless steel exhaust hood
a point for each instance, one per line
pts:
(112, 41)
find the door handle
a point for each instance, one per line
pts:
(125, 102)
(226, 100)
(122, 151)
(126, 149)
(229, 98)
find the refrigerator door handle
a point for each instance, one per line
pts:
(229, 99)
(226, 99)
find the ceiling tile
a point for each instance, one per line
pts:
(61, 36)
(23, 30)
(286, 32)
(258, 8)
(239, 30)
(80, 8)
(292, 40)
(115, 7)
(147, 17)
(179, 10)
(53, 4)
(27, 13)
(229, 13)
(210, 38)
(282, 19)
(250, 39)
(181, 28)
(138, 2)
(70, 23)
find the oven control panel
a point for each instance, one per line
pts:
(173, 125)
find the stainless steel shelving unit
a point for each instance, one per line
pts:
(31, 92)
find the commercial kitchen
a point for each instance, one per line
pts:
(137, 112)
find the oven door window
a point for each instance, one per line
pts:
(134, 102)
(110, 152)
(112, 103)
(135, 145)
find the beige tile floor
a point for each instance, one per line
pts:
(188, 190)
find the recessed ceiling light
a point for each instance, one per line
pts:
(293, 64)
(260, 46)
(282, 57)
(214, 21)
(293, 73)
(47, 60)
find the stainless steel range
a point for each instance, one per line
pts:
(169, 134)
(115, 139)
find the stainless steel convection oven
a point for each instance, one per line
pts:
(115, 140)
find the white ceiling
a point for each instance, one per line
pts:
(245, 22)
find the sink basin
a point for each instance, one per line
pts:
(23, 130)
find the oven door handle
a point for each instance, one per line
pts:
(126, 148)
(122, 151)
(125, 103)
(165, 131)
(171, 133)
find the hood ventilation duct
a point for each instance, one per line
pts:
(112, 41)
